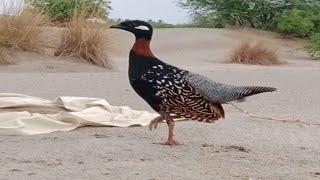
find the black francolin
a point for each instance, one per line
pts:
(173, 92)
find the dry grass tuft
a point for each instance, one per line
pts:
(86, 40)
(254, 53)
(4, 56)
(22, 31)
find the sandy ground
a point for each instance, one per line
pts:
(234, 148)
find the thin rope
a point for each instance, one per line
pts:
(253, 116)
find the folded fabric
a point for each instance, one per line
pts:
(26, 115)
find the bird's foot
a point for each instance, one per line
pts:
(171, 143)
(154, 123)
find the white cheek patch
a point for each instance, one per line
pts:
(144, 28)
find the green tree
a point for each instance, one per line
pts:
(253, 13)
(303, 20)
(297, 22)
(313, 45)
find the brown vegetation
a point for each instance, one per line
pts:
(84, 39)
(4, 56)
(22, 31)
(254, 53)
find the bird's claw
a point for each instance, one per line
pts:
(154, 123)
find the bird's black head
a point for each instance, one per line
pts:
(140, 29)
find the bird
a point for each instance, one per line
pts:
(175, 93)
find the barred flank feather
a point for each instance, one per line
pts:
(178, 97)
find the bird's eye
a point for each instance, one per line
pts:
(144, 28)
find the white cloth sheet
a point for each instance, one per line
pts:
(26, 115)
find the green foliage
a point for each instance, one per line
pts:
(161, 24)
(253, 13)
(313, 45)
(207, 21)
(316, 22)
(63, 10)
(264, 14)
(303, 20)
(297, 22)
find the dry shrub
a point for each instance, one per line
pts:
(84, 39)
(22, 31)
(4, 56)
(254, 53)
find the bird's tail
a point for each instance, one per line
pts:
(252, 90)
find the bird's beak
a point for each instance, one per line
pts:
(118, 26)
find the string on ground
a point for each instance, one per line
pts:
(253, 116)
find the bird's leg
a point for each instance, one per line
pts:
(154, 123)
(170, 124)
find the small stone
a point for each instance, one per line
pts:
(31, 174)
(205, 145)
(15, 170)
(100, 135)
